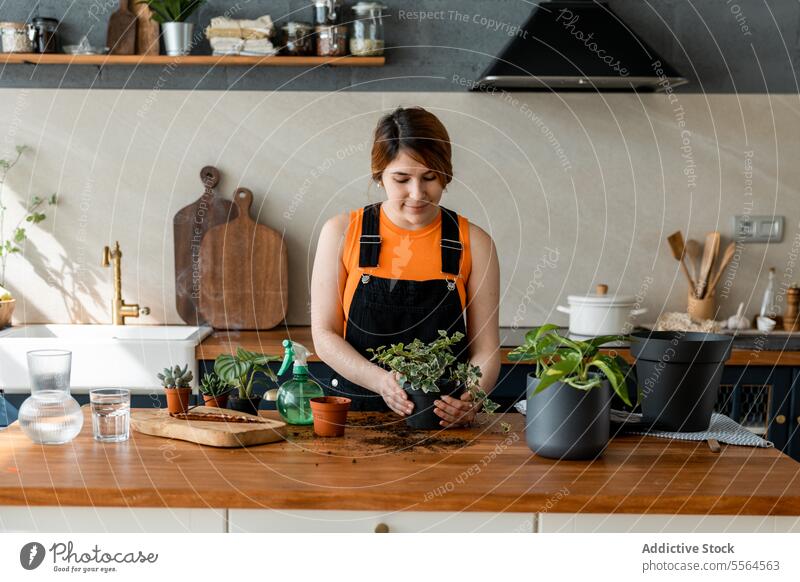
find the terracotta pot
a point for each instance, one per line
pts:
(178, 399)
(330, 415)
(6, 310)
(220, 401)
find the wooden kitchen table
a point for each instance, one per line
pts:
(384, 476)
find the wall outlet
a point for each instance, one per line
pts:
(758, 229)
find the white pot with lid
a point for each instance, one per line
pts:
(601, 314)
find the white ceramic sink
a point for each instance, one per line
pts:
(103, 356)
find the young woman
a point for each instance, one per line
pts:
(402, 269)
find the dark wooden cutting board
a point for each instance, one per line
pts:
(244, 272)
(189, 227)
(147, 32)
(121, 36)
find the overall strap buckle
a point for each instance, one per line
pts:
(370, 241)
(451, 243)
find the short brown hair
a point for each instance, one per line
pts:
(417, 132)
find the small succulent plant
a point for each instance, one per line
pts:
(213, 385)
(176, 377)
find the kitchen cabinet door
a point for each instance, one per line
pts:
(793, 419)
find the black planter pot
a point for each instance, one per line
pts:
(562, 422)
(423, 416)
(248, 405)
(678, 375)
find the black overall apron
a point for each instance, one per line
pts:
(388, 311)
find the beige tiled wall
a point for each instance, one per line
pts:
(575, 189)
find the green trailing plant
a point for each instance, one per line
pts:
(213, 385)
(423, 365)
(172, 10)
(176, 377)
(240, 370)
(33, 215)
(579, 364)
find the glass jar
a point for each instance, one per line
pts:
(44, 38)
(331, 41)
(366, 37)
(50, 416)
(327, 12)
(14, 37)
(297, 39)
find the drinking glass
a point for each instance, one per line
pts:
(111, 414)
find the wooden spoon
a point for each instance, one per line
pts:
(727, 256)
(710, 251)
(694, 251)
(675, 241)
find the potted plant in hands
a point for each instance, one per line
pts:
(239, 371)
(427, 373)
(172, 16)
(571, 420)
(11, 245)
(214, 391)
(176, 382)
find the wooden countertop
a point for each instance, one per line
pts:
(269, 342)
(373, 468)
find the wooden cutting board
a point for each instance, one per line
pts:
(121, 36)
(158, 422)
(189, 227)
(147, 41)
(243, 272)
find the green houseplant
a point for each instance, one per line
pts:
(240, 371)
(428, 371)
(172, 16)
(10, 245)
(177, 387)
(569, 393)
(214, 390)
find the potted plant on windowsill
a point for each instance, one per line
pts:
(429, 371)
(239, 371)
(569, 394)
(214, 391)
(172, 16)
(176, 382)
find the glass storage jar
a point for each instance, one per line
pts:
(44, 35)
(297, 39)
(327, 12)
(366, 37)
(15, 38)
(331, 41)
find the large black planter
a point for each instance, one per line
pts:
(562, 422)
(248, 405)
(423, 416)
(678, 375)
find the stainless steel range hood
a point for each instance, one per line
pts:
(578, 46)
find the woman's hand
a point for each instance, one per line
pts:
(455, 411)
(394, 396)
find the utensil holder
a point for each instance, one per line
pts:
(705, 308)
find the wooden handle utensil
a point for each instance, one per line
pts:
(710, 251)
(727, 256)
(675, 241)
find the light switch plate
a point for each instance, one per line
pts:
(748, 228)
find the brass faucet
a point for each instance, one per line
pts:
(119, 309)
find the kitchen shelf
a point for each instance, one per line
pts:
(190, 60)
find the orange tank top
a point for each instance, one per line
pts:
(412, 255)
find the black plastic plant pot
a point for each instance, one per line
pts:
(248, 405)
(562, 422)
(423, 416)
(678, 375)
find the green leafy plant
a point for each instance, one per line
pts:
(33, 215)
(172, 10)
(213, 385)
(579, 364)
(176, 377)
(423, 366)
(239, 370)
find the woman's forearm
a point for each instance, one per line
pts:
(337, 353)
(489, 363)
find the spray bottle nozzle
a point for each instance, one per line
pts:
(294, 353)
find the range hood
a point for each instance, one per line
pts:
(577, 46)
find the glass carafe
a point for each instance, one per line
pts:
(50, 416)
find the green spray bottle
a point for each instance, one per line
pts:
(293, 397)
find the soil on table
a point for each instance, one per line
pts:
(377, 433)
